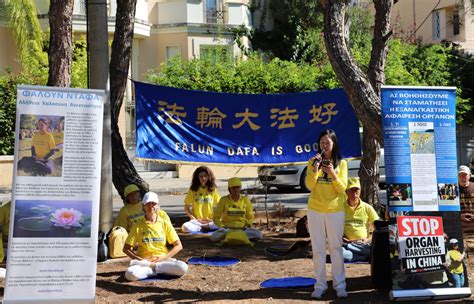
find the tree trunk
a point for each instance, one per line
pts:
(123, 171)
(60, 48)
(363, 90)
(369, 169)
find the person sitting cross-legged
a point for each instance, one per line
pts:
(150, 237)
(358, 223)
(200, 201)
(234, 211)
(132, 211)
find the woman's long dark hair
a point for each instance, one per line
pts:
(336, 157)
(211, 182)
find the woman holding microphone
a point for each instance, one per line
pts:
(327, 180)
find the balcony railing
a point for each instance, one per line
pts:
(214, 16)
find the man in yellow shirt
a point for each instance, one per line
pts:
(358, 224)
(234, 212)
(146, 245)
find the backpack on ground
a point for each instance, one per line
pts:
(302, 227)
(117, 237)
(102, 247)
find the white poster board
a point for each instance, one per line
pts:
(52, 250)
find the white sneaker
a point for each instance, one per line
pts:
(3, 273)
(341, 293)
(318, 293)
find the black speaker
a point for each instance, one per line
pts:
(380, 259)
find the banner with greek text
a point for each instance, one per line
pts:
(52, 247)
(184, 126)
(425, 236)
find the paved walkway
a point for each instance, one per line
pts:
(169, 188)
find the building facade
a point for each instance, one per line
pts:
(162, 29)
(431, 21)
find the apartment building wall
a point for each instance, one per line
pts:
(434, 21)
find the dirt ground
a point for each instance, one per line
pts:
(240, 282)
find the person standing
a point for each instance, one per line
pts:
(466, 196)
(200, 201)
(456, 267)
(327, 179)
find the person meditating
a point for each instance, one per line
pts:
(146, 245)
(132, 211)
(234, 212)
(358, 223)
(200, 201)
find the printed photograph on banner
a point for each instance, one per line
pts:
(421, 138)
(52, 218)
(399, 195)
(426, 250)
(40, 149)
(448, 194)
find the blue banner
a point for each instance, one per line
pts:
(419, 128)
(184, 126)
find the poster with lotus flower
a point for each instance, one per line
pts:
(52, 218)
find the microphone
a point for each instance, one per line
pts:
(316, 160)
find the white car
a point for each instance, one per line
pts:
(291, 176)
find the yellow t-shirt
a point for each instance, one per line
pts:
(455, 266)
(5, 223)
(58, 139)
(357, 221)
(43, 143)
(131, 214)
(151, 238)
(202, 202)
(233, 214)
(327, 195)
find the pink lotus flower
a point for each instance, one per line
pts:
(66, 218)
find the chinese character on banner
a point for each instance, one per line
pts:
(172, 112)
(211, 119)
(285, 117)
(318, 113)
(246, 119)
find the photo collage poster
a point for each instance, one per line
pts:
(419, 129)
(52, 250)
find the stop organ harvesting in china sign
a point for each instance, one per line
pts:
(421, 243)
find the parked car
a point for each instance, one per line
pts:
(291, 176)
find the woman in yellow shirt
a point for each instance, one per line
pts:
(327, 179)
(42, 143)
(200, 201)
(146, 245)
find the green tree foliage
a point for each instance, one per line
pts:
(8, 85)
(252, 76)
(35, 72)
(296, 32)
(21, 18)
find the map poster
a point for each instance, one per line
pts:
(419, 129)
(52, 246)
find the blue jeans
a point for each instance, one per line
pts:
(458, 279)
(356, 252)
